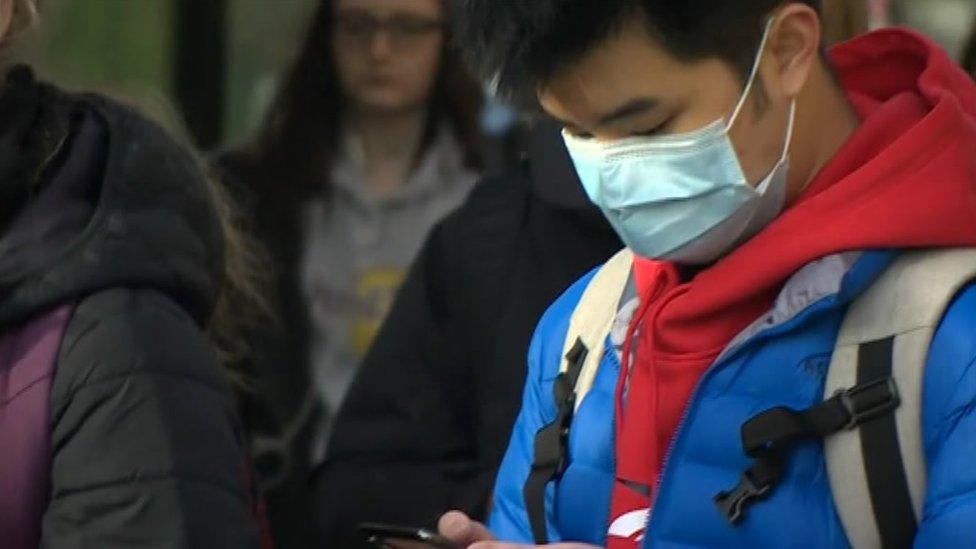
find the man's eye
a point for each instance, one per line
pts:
(656, 130)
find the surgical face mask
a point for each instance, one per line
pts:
(682, 198)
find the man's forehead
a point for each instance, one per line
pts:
(618, 84)
(630, 53)
(623, 74)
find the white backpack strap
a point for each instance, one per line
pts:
(877, 470)
(582, 352)
(593, 319)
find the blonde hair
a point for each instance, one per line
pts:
(24, 18)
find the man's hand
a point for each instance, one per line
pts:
(464, 532)
(500, 545)
(469, 534)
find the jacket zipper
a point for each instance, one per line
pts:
(614, 362)
(760, 337)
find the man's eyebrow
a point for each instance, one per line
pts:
(631, 108)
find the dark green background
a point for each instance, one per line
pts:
(125, 48)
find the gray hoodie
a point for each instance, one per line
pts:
(358, 250)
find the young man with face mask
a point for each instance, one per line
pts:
(768, 190)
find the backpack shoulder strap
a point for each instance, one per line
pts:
(593, 319)
(877, 468)
(589, 326)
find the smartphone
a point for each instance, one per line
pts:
(387, 536)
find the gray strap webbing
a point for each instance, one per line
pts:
(890, 326)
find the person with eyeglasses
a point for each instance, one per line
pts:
(371, 140)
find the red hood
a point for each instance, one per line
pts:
(906, 178)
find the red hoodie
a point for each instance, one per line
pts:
(906, 178)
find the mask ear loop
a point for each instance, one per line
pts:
(752, 75)
(789, 131)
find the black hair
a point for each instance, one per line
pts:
(301, 131)
(518, 44)
(969, 55)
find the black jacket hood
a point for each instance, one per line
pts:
(98, 197)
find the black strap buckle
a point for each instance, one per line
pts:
(869, 400)
(733, 503)
(550, 456)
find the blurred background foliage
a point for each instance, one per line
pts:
(130, 49)
(127, 48)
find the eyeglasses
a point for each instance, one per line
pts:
(404, 31)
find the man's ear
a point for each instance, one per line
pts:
(795, 45)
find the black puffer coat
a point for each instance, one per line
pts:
(103, 212)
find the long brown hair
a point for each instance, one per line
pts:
(242, 304)
(299, 137)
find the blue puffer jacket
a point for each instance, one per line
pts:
(783, 363)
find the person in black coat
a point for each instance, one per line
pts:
(104, 217)
(430, 413)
